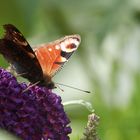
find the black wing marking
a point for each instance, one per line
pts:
(14, 35)
(17, 51)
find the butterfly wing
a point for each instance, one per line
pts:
(54, 55)
(15, 48)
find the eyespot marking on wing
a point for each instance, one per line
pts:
(70, 44)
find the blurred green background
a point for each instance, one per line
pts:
(106, 63)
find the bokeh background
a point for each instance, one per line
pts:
(107, 62)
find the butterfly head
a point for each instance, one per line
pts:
(51, 85)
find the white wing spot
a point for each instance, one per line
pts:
(62, 45)
(57, 47)
(66, 42)
(63, 59)
(50, 49)
(74, 41)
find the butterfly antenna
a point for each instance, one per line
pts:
(86, 91)
(57, 86)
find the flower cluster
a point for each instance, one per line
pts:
(91, 128)
(36, 114)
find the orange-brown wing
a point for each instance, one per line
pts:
(53, 56)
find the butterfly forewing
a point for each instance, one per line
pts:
(14, 35)
(54, 55)
(18, 52)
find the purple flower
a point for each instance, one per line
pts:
(36, 114)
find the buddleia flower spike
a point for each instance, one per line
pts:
(36, 114)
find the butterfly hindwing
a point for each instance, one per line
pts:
(54, 55)
(15, 48)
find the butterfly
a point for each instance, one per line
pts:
(39, 64)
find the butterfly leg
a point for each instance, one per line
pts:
(30, 86)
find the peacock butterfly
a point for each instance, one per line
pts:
(41, 64)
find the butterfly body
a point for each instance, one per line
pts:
(41, 64)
